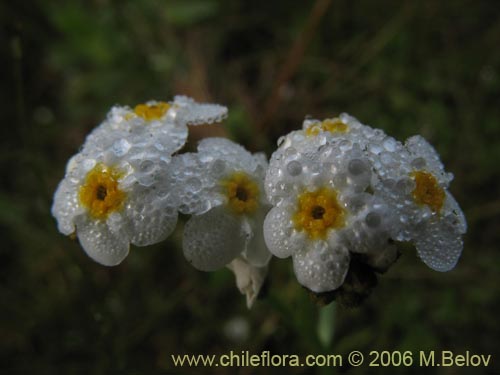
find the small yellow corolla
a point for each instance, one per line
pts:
(318, 212)
(242, 193)
(100, 193)
(427, 191)
(151, 112)
(331, 125)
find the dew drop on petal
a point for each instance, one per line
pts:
(89, 164)
(294, 168)
(345, 145)
(121, 147)
(290, 151)
(218, 167)
(390, 144)
(356, 167)
(375, 148)
(418, 163)
(386, 158)
(193, 185)
(146, 166)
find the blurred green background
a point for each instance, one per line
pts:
(408, 67)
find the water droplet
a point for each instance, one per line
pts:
(345, 145)
(357, 203)
(356, 167)
(146, 166)
(294, 168)
(193, 185)
(390, 144)
(418, 163)
(88, 164)
(218, 167)
(386, 158)
(375, 148)
(121, 147)
(405, 185)
(162, 193)
(290, 151)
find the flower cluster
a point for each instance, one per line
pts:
(334, 193)
(343, 190)
(116, 189)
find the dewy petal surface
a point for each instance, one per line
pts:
(66, 207)
(440, 243)
(213, 239)
(281, 239)
(439, 246)
(321, 268)
(152, 221)
(232, 153)
(105, 247)
(257, 253)
(193, 113)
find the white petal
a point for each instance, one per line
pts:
(321, 268)
(151, 221)
(213, 239)
(257, 253)
(66, 206)
(168, 137)
(249, 279)
(421, 152)
(453, 214)
(281, 239)
(418, 145)
(231, 153)
(192, 113)
(439, 245)
(194, 184)
(99, 243)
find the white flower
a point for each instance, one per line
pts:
(157, 127)
(116, 190)
(222, 187)
(109, 208)
(320, 180)
(429, 215)
(342, 189)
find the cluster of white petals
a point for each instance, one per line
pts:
(341, 189)
(334, 192)
(222, 187)
(116, 189)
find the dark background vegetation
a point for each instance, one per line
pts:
(409, 67)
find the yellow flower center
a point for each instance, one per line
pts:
(151, 111)
(329, 125)
(242, 193)
(100, 194)
(427, 191)
(318, 212)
